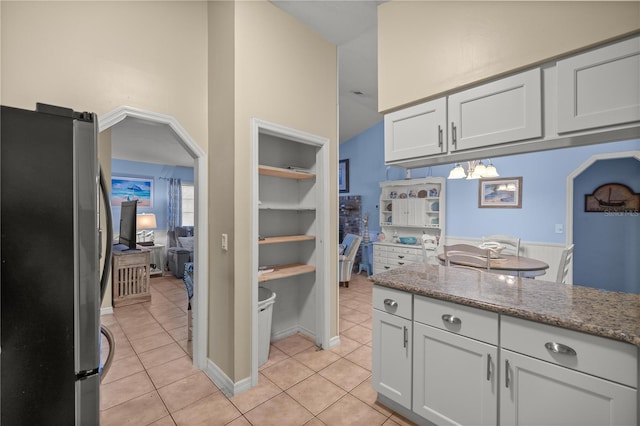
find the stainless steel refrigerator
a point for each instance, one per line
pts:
(51, 289)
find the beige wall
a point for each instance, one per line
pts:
(221, 336)
(285, 73)
(104, 156)
(427, 48)
(212, 67)
(96, 56)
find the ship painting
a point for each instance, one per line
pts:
(612, 197)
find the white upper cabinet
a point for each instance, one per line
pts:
(506, 110)
(600, 88)
(416, 131)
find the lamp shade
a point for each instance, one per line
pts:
(146, 221)
(457, 172)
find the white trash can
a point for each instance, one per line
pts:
(266, 299)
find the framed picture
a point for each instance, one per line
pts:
(343, 175)
(129, 188)
(612, 197)
(500, 193)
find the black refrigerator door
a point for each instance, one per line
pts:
(45, 230)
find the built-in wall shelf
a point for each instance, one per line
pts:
(282, 206)
(290, 177)
(285, 271)
(284, 173)
(286, 239)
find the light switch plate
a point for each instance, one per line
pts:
(559, 228)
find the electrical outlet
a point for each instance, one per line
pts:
(225, 242)
(559, 228)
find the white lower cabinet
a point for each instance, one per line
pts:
(467, 366)
(455, 378)
(455, 363)
(536, 392)
(555, 376)
(392, 347)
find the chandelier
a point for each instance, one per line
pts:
(475, 170)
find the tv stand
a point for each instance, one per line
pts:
(130, 277)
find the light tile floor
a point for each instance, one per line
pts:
(152, 380)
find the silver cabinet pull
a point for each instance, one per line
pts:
(453, 134)
(451, 319)
(439, 136)
(559, 348)
(506, 374)
(390, 303)
(406, 336)
(488, 367)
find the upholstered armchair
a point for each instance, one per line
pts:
(347, 254)
(180, 249)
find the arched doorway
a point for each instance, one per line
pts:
(575, 202)
(201, 275)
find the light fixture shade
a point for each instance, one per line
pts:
(480, 170)
(457, 172)
(491, 171)
(146, 221)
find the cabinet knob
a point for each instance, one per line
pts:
(451, 319)
(390, 303)
(559, 348)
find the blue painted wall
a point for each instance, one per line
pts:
(614, 264)
(160, 193)
(544, 187)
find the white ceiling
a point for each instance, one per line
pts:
(349, 24)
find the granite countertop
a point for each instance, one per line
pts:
(608, 314)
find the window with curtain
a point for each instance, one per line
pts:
(188, 204)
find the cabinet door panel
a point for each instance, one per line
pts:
(391, 368)
(540, 393)
(416, 131)
(600, 88)
(455, 378)
(506, 110)
(400, 212)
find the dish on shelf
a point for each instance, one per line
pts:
(408, 240)
(435, 206)
(412, 194)
(402, 195)
(422, 193)
(389, 206)
(433, 192)
(393, 194)
(389, 219)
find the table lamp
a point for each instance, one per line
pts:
(145, 221)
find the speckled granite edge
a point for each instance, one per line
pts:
(607, 314)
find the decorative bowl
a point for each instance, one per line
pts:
(408, 240)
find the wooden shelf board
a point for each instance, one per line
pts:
(284, 173)
(284, 271)
(287, 239)
(267, 206)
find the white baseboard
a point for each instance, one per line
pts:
(334, 341)
(106, 311)
(224, 383)
(281, 334)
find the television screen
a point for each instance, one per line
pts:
(128, 224)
